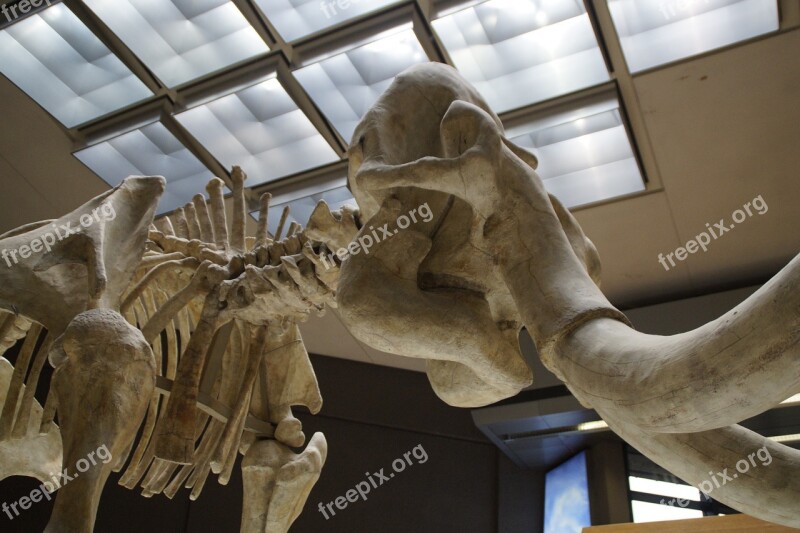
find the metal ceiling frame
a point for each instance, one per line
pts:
(284, 57)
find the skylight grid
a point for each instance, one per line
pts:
(521, 52)
(65, 68)
(181, 40)
(654, 32)
(149, 151)
(260, 129)
(346, 85)
(298, 18)
(586, 155)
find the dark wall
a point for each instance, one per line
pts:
(520, 498)
(371, 417)
(608, 482)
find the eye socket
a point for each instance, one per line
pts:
(357, 149)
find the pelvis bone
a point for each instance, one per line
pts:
(85, 259)
(502, 253)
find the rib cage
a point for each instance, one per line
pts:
(248, 273)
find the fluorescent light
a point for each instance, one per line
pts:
(297, 18)
(786, 438)
(517, 52)
(654, 32)
(792, 400)
(58, 62)
(261, 129)
(592, 426)
(181, 40)
(584, 154)
(345, 85)
(655, 512)
(149, 151)
(663, 488)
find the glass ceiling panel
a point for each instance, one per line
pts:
(300, 209)
(297, 18)
(518, 52)
(261, 129)
(344, 86)
(180, 40)
(149, 151)
(654, 32)
(584, 155)
(58, 62)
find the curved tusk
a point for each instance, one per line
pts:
(740, 364)
(766, 488)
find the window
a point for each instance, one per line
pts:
(58, 62)
(566, 497)
(149, 151)
(298, 18)
(584, 151)
(262, 130)
(673, 504)
(518, 52)
(654, 32)
(345, 85)
(181, 40)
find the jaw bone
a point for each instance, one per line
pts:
(671, 397)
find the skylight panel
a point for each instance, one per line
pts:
(149, 151)
(298, 18)
(65, 68)
(300, 208)
(344, 86)
(585, 154)
(654, 32)
(518, 52)
(181, 40)
(261, 129)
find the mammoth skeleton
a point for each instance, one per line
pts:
(188, 328)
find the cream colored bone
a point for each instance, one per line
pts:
(277, 483)
(90, 268)
(533, 256)
(33, 454)
(90, 258)
(103, 383)
(102, 388)
(251, 282)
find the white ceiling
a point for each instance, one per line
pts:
(724, 128)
